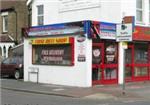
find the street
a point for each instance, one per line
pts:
(9, 97)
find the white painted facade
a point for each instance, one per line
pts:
(77, 75)
(5, 48)
(100, 10)
(54, 12)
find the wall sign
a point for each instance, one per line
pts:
(124, 32)
(59, 40)
(56, 29)
(102, 30)
(107, 30)
(141, 33)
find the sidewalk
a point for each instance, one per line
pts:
(100, 92)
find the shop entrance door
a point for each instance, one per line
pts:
(129, 60)
(97, 62)
(104, 63)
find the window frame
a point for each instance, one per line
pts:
(70, 44)
(40, 15)
(140, 10)
(4, 17)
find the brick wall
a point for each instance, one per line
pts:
(22, 17)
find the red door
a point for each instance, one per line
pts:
(136, 63)
(104, 63)
(129, 61)
(97, 63)
(110, 70)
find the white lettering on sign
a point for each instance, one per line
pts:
(52, 52)
(124, 32)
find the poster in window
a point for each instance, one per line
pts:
(96, 55)
(111, 53)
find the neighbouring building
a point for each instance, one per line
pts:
(13, 17)
(73, 42)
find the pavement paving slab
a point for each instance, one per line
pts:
(133, 90)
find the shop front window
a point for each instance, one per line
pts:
(96, 74)
(128, 72)
(96, 55)
(110, 73)
(141, 53)
(141, 71)
(52, 54)
(128, 56)
(111, 53)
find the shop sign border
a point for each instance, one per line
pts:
(107, 30)
(44, 41)
(56, 29)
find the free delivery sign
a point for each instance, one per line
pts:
(107, 30)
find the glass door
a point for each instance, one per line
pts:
(110, 63)
(141, 61)
(129, 57)
(97, 62)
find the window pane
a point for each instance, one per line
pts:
(96, 74)
(141, 53)
(139, 15)
(110, 73)
(141, 71)
(111, 53)
(52, 54)
(128, 72)
(40, 20)
(128, 55)
(40, 9)
(96, 55)
(5, 23)
(139, 4)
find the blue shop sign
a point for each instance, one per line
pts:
(57, 29)
(107, 30)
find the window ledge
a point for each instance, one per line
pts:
(140, 23)
(4, 32)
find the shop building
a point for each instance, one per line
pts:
(74, 54)
(85, 53)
